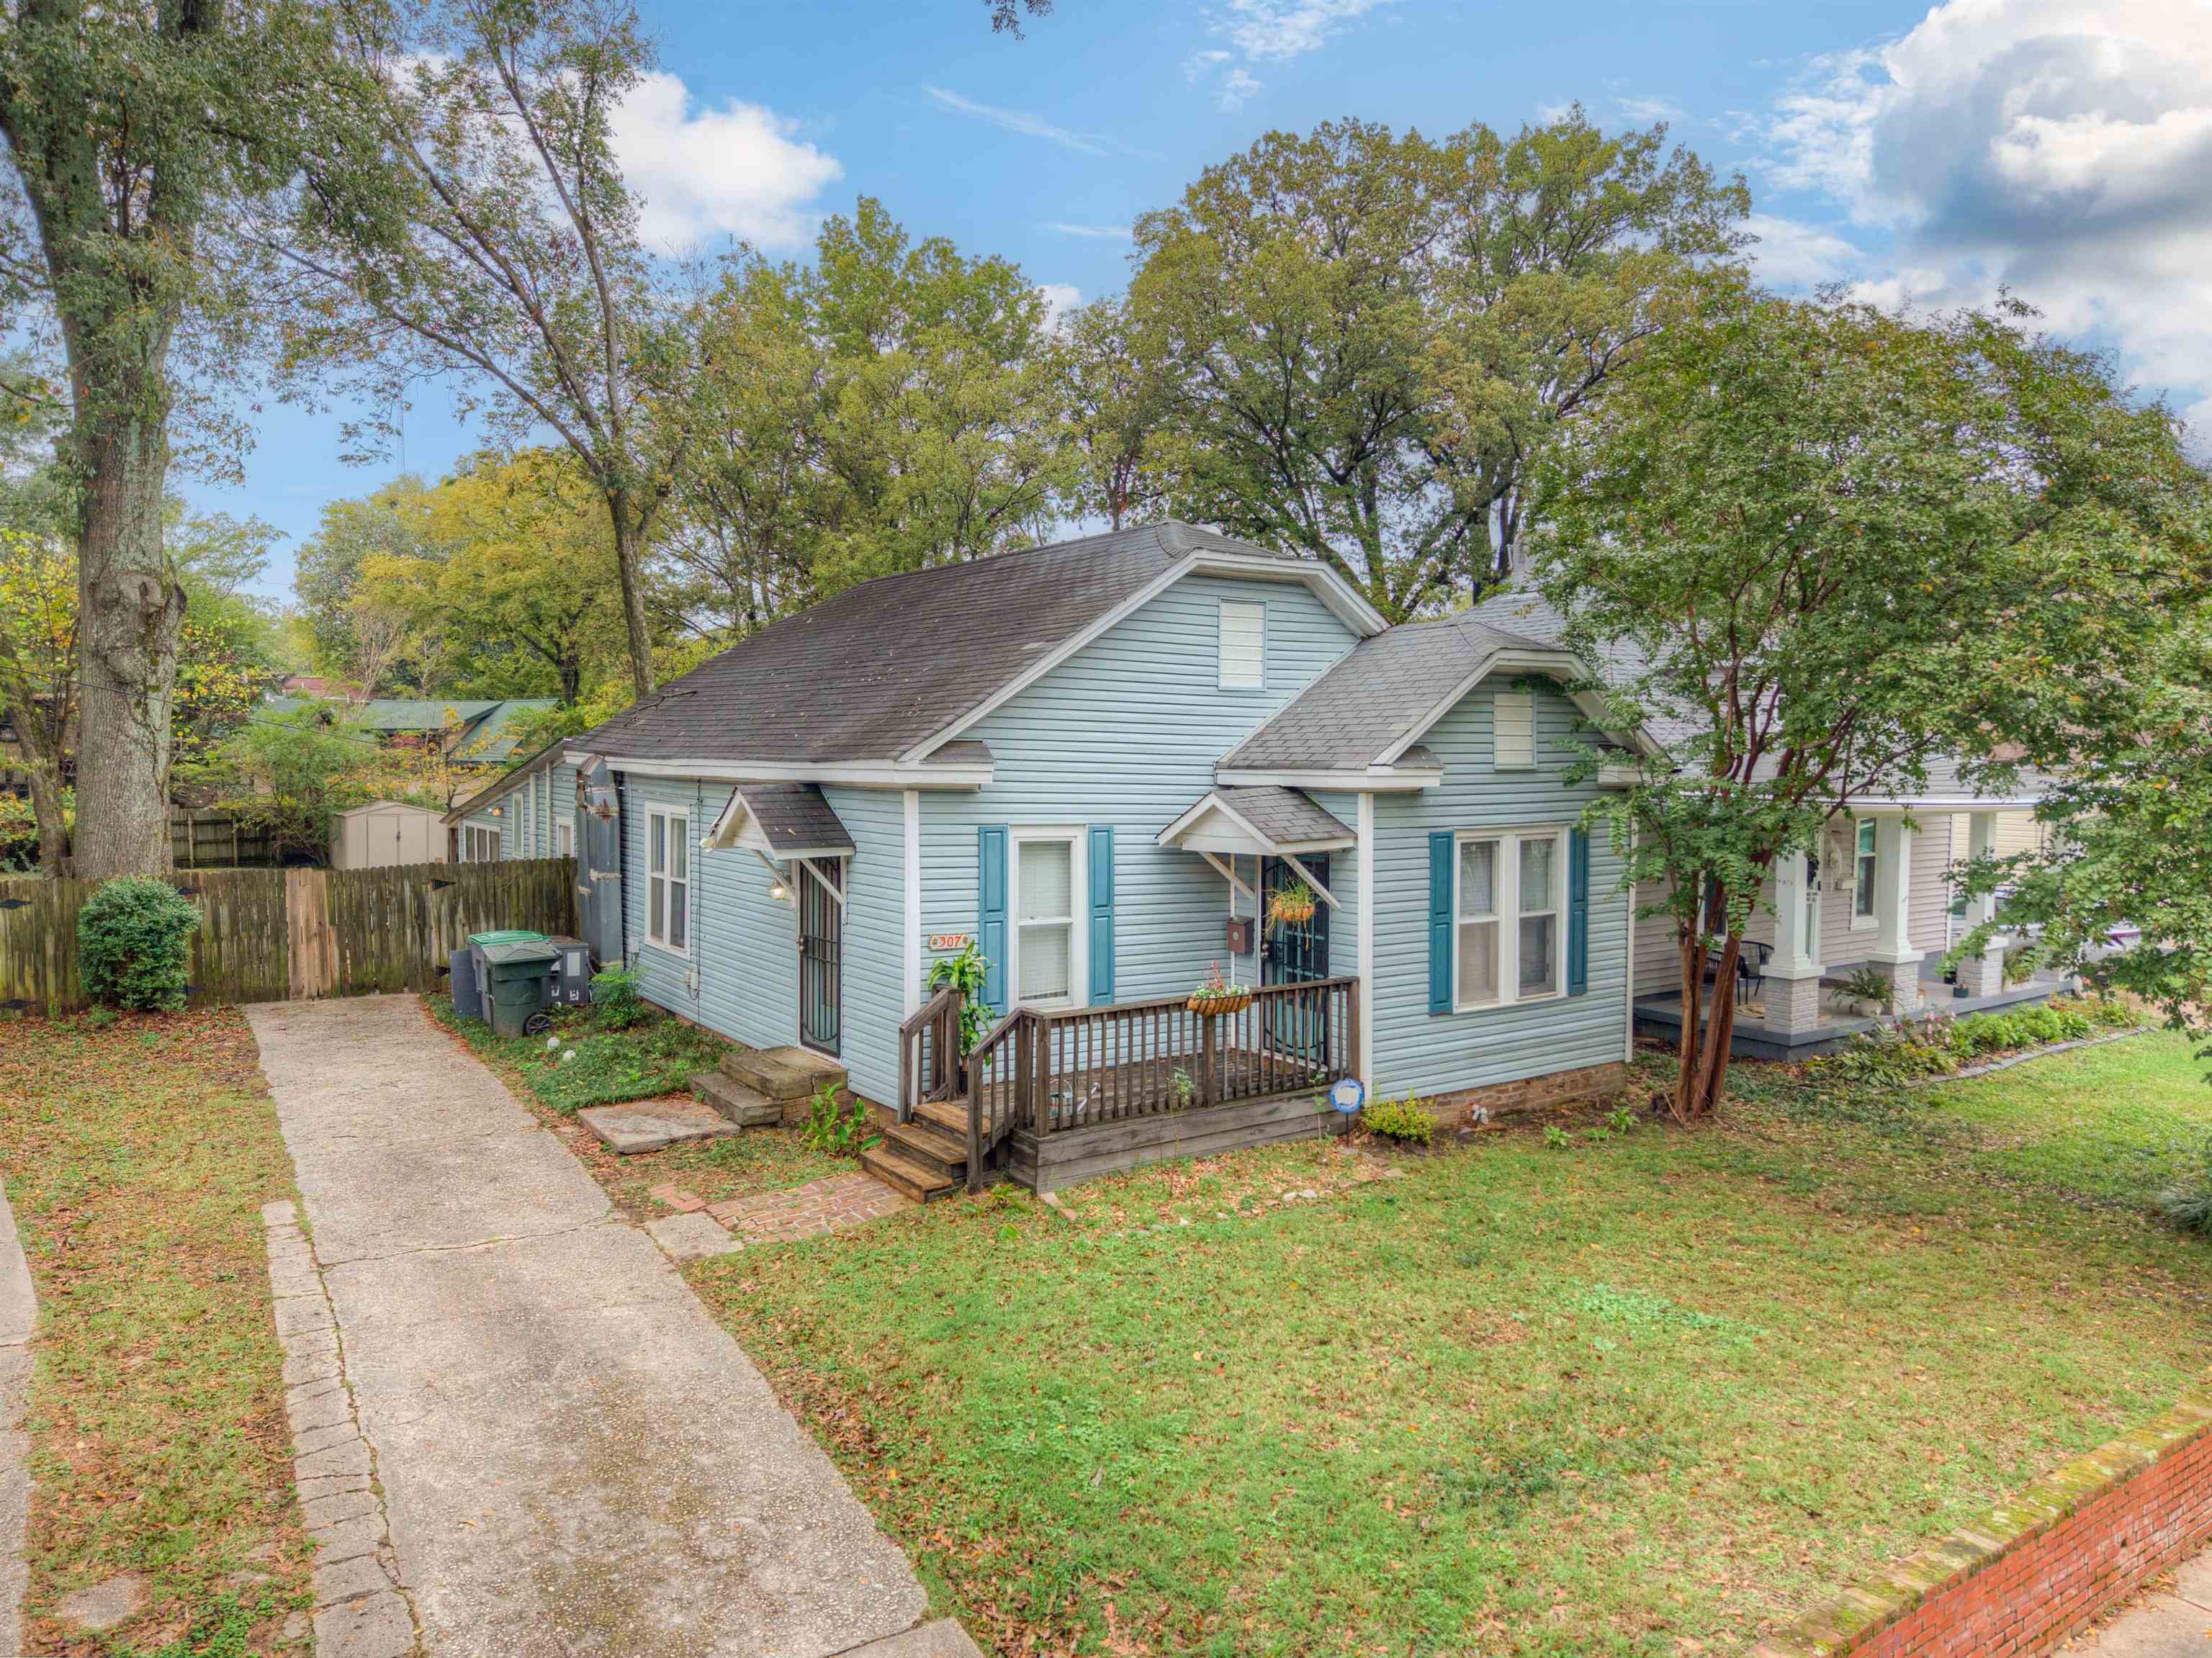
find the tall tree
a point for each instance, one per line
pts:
(136, 133)
(1115, 402)
(1366, 337)
(469, 216)
(38, 675)
(394, 520)
(1842, 545)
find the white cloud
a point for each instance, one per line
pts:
(1792, 254)
(702, 172)
(1266, 32)
(1015, 120)
(1104, 232)
(2059, 147)
(1649, 110)
(1059, 299)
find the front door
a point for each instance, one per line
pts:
(1294, 953)
(821, 942)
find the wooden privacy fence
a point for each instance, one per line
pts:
(273, 935)
(200, 840)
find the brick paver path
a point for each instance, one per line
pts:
(829, 1205)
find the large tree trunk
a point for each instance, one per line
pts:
(1689, 947)
(129, 613)
(629, 560)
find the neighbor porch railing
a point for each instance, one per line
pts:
(1048, 1072)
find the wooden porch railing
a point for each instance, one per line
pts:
(929, 1052)
(1049, 1072)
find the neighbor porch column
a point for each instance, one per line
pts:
(1366, 930)
(1893, 950)
(1981, 974)
(1793, 977)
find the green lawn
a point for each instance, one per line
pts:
(1649, 1389)
(137, 1158)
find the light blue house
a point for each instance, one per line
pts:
(1100, 761)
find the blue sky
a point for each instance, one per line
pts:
(1924, 155)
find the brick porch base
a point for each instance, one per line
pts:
(1593, 1082)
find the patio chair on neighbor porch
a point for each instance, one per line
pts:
(1751, 958)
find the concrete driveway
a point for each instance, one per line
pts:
(574, 1460)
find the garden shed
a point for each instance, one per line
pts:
(387, 832)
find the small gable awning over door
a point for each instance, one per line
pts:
(780, 821)
(1262, 821)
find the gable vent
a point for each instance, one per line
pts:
(1515, 730)
(1243, 646)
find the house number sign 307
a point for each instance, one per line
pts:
(948, 941)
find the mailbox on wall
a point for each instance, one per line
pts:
(1240, 935)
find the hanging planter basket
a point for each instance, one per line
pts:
(1290, 906)
(1234, 1002)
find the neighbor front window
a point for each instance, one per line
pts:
(479, 844)
(1045, 906)
(1863, 900)
(668, 885)
(1508, 908)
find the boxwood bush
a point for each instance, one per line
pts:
(134, 941)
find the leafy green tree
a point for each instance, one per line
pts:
(1115, 402)
(393, 521)
(136, 135)
(1364, 338)
(38, 675)
(1845, 544)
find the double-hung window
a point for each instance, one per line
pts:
(479, 844)
(1511, 909)
(668, 885)
(1863, 867)
(564, 838)
(1047, 883)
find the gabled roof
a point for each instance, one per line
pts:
(891, 672)
(1264, 820)
(490, 738)
(784, 820)
(507, 781)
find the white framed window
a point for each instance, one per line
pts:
(1513, 731)
(1243, 646)
(1866, 864)
(479, 844)
(668, 880)
(1510, 917)
(564, 840)
(1048, 963)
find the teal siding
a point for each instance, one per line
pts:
(875, 918)
(1419, 1053)
(1126, 733)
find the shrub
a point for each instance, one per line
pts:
(2103, 1013)
(1868, 984)
(1887, 1055)
(2188, 1202)
(133, 941)
(840, 1130)
(2023, 1027)
(615, 1001)
(1407, 1121)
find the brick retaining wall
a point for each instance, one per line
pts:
(2036, 1568)
(1592, 1081)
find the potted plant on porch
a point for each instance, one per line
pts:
(1217, 996)
(1290, 905)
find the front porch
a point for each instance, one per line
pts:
(1053, 1097)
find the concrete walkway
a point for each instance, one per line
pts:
(2167, 1624)
(576, 1460)
(18, 1314)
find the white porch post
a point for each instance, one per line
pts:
(1981, 974)
(911, 813)
(1892, 949)
(1366, 930)
(1793, 977)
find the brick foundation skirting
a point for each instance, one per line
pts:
(2040, 1565)
(1592, 1081)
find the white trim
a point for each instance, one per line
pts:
(677, 835)
(910, 977)
(1506, 914)
(866, 775)
(1382, 779)
(834, 889)
(1866, 891)
(1355, 612)
(1076, 837)
(1253, 843)
(1364, 930)
(1228, 872)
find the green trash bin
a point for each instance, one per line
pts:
(512, 935)
(518, 974)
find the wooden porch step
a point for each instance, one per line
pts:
(740, 1104)
(782, 1074)
(929, 1146)
(907, 1178)
(950, 1115)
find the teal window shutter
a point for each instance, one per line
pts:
(1577, 913)
(1102, 917)
(991, 910)
(1443, 852)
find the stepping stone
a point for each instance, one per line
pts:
(105, 1604)
(691, 1238)
(655, 1125)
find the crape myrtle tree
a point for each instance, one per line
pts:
(1364, 338)
(136, 134)
(1846, 544)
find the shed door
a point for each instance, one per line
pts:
(821, 943)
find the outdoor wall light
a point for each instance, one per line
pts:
(775, 889)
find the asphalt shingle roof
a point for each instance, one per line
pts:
(869, 673)
(795, 817)
(1289, 817)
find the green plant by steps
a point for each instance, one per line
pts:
(133, 941)
(969, 973)
(840, 1130)
(1620, 1119)
(1869, 984)
(1186, 1090)
(1557, 1139)
(616, 1005)
(1407, 1121)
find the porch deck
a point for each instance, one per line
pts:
(1662, 1015)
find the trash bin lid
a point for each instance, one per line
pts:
(521, 952)
(504, 936)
